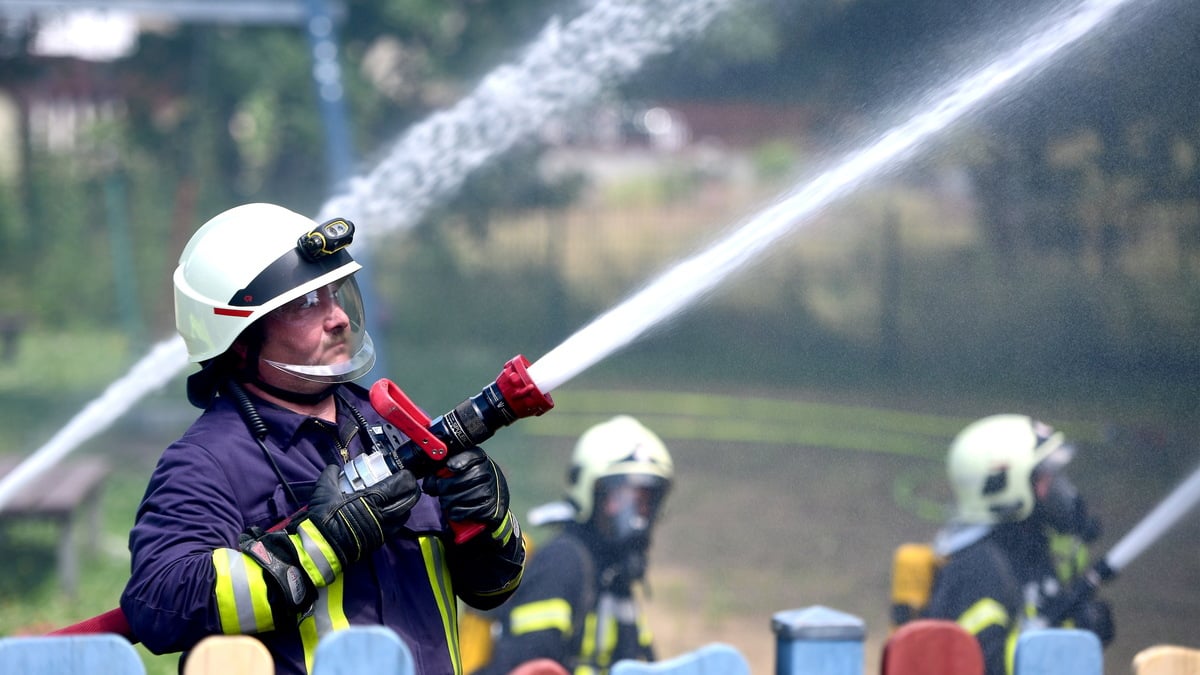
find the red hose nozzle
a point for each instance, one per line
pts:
(520, 391)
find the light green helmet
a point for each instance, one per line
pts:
(619, 447)
(991, 462)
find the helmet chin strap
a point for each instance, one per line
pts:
(296, 397)
(249, 373)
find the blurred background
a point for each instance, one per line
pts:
(1041, 256)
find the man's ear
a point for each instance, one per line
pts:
(243, 352)
(247, 346)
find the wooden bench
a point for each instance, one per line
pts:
(67, 495)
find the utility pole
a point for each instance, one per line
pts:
(339, 150)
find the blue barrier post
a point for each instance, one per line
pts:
(57, 655)
(818, 641)
(1058, 651)
(711, 659)
(363, 649)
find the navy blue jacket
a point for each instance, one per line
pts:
(214, 483)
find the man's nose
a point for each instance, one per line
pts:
(337, 317)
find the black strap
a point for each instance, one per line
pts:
(258, 429)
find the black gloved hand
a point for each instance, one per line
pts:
(336, 530)
(471, 488)
(1096, 616)
(359, 522)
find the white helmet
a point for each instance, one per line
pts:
(254, 258)
(991, 463)
(620, 449)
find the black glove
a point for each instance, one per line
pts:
(472, 489)
(337, 529)
(1096, 616)
(359, 522)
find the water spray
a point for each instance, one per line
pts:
(692, 278)
(568, 65)
(523, 97)
(565, 68)
(435, 157)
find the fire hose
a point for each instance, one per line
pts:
(423, 449)
(1147, 531)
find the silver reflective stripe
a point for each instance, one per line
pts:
(321, 613)
(243, 598)
(318, 556)
(606, 627)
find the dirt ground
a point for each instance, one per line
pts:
(754, 530)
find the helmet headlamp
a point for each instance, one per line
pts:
(329, 238)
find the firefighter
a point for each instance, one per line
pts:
(578, 604)
(267, 304)
(1018, 540)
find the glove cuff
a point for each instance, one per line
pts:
(274, 553)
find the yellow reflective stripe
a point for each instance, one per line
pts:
(241, 594)
(645, 635)
(1010, 650)
(310, 635)
(328, 615)
(316, 555)
(512, 584)
(979, 616)
(585, 670)
(336, 606)
(599, 639)
(1069, 554)
(604, 657)
(443, 593)
(504, 531)
(554, 613)
(587, 648)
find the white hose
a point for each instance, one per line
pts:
(156, 369)
(1156, 523)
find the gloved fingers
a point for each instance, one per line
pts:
(327, 482)
(398, 494)
(466, 459)
(477, 494)
(469, 505)
(464, 471)
(400, 486)
(327, 496)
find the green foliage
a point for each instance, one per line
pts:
(774, 160)
(50, 361)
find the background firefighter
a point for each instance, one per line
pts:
(578, 604)
(266, 302)
(1017, 540)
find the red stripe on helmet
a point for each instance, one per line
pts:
(224, 311)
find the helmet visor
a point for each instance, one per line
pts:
(627, 506)
(356, 354)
